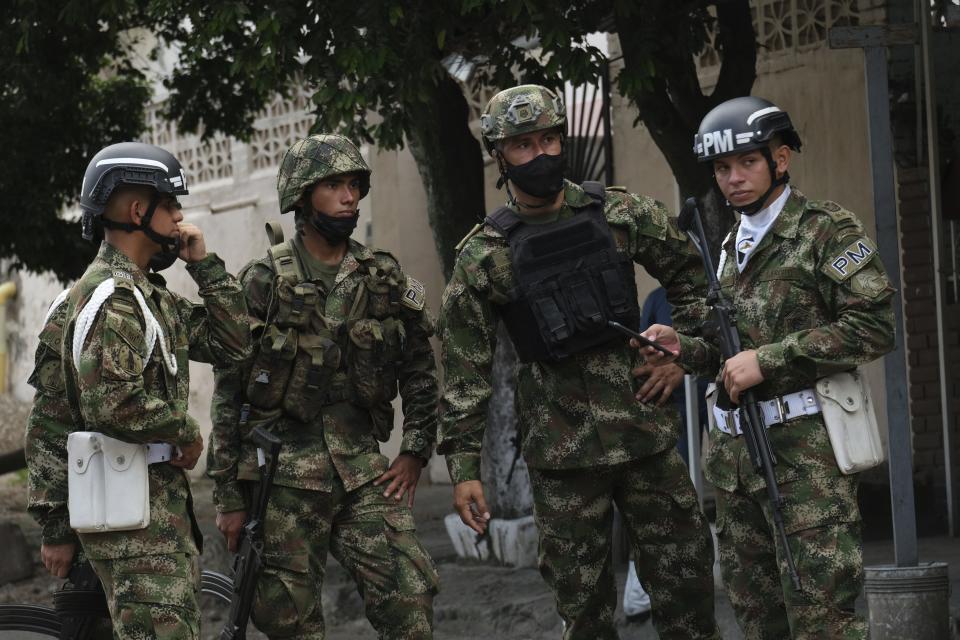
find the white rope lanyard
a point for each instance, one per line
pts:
(153, 332)
(59, 300)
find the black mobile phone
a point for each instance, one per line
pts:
(639, 338)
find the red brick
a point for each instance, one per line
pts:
(925, 407)
(919, 324)
(914, 191)
(926, 441)
(924, 374)
(916, 221)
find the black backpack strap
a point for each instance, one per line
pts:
(504, 220)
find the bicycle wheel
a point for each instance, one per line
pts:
(29, 618)
(216, 584)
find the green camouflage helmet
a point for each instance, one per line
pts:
(315, 158)
(523, 109)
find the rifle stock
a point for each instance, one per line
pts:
(751, 421)
(249, 559)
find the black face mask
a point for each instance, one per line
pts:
(542, 177)
(167, 255)
(335, 230)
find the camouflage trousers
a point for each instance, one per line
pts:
(822, 522)
(372, 537)
(152, 597)
(669, 536)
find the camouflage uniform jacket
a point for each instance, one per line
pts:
(813, 300)
(581, 411)
(116, 390)
(372, 331)
(49, 424)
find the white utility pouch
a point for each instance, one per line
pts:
(851, 421)
(109, 489)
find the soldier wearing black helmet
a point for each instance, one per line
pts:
(812, 301)
(127, 340)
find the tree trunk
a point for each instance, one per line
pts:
(450, 163)
(505, 478)
(672, 104)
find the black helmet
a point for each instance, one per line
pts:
(740, 125)
(133, 163)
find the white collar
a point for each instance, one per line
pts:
(754, 228)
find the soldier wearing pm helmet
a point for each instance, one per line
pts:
(812, 303)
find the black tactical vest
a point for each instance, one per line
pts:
(570, 280)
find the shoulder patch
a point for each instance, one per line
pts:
(854, 257)
(617, 187)
(414, 296)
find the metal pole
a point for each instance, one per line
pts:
(693, 433)
(884, 204)
(933, 167)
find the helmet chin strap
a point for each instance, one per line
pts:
(757, 205)
(166, 243)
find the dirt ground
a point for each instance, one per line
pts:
(476, 600)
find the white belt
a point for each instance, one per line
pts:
(774, 412)
(160, 452)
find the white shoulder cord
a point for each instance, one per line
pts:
(59, 300)
(88, 314)
(723, 255)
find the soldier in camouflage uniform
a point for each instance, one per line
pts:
(126, 386)
(589, 444)
(337, 328)
(48, 426)
(811, 299)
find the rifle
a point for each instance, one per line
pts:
(249, 559)
(80, 603)
(751, 420)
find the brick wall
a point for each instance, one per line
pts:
(921, 336)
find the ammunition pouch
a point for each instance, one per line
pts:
(851, 422)
(108, 483)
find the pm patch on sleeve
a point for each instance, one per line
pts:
(841, 266)
(414, 296)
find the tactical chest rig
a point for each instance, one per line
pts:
(570, 280)
(307, 361)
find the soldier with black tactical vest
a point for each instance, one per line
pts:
(338, 328)
(127, 343)
(555, 266)
(812, 302)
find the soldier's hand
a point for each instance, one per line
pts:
(470, 503)
(189, 454)
(230, 525)
(741, 372)
(192, 246)
(662, 334)
(660, 382)
(58, 558)
(403, 475)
